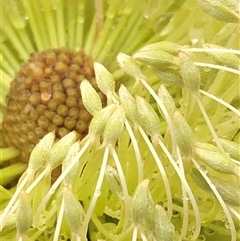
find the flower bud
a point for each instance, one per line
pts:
(215, 159)
(142, 206)
(199, 180)
(223, 10)
(114, 181)
(41, 152)
(149, 219)
(114, 126)
(139, 202)
(229, 193)
(24, 214)
(129, 104)
(60, 150)
(129, 65)
(183, 133)
(73, 210)
(104, 79)
(225, 59)
(169, 76)
(148, 118)
(167, 46)
(90, 97)
(99, 121)
(155, 57)
(231, 147)
(189, 72)
(167, 100)
(70, 177)
(164, 229)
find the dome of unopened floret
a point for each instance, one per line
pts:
(45, 96)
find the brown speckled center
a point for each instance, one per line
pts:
(45, 96)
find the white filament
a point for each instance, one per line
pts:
(209, 124)
(219, 67)
(136, 150)
(53, 188)
(188, 190)
(230, 107)
(219, 198)
(124, 186)
(161, 169)
(96, 191)
(59, 222)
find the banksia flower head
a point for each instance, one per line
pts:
(120, 120)
(48, 99)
